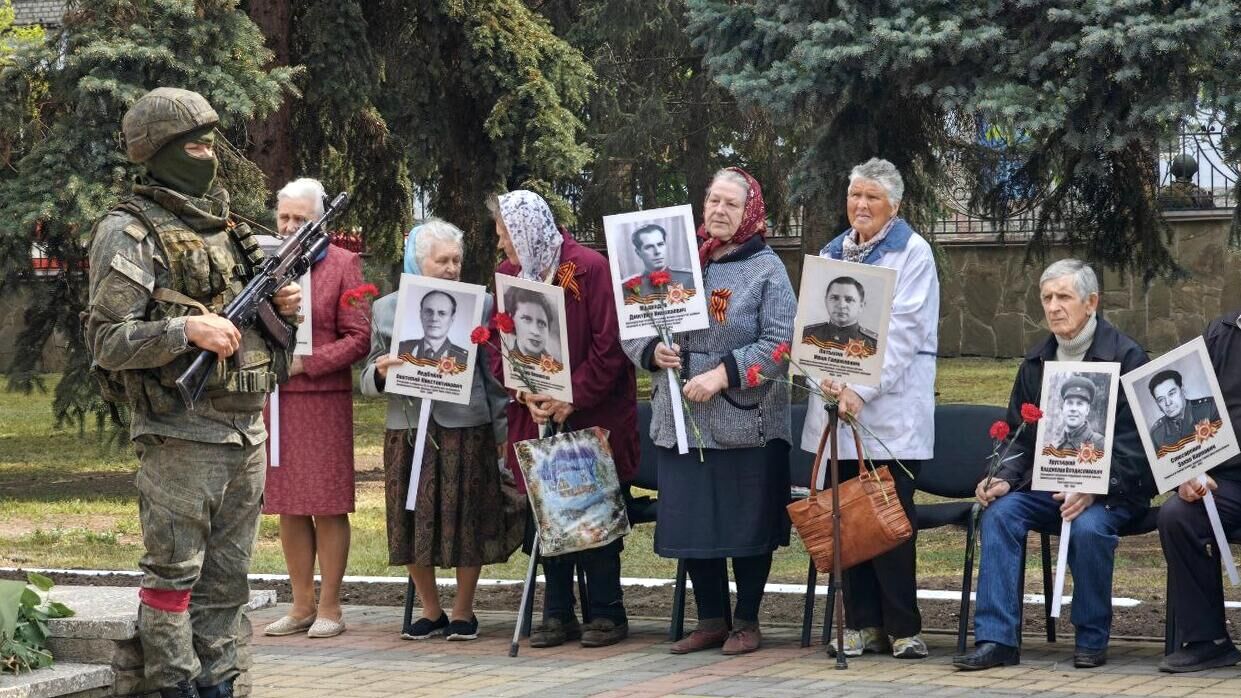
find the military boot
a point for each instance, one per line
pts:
(224, 689)
(184, 689)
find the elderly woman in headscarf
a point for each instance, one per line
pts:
(465, 516)
(732, 503)
(881, 605)
(604, 395)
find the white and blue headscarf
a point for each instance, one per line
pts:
(411, 256)
(533, 230)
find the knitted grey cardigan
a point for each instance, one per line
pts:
(759, 317)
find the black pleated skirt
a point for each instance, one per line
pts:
(731, 505)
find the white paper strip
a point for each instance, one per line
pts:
(274, 438)
(678, 414)
(420, 447)
(1062, 561)
(1221, 541)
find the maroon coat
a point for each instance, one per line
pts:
(604, 391)
(340, 336)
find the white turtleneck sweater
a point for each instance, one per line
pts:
(1075, 349)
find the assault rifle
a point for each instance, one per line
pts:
(292, 259)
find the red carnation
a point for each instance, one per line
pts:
(1031, 413)
(633, 284)
(754, 375)
(480, 335)
(504, 323)
(354, 295)
(999, 430)
(781, 352)
(660, 278)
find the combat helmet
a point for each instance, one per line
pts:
(162, 115)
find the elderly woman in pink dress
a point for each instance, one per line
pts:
(312, 486)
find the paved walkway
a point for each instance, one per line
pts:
(371, 660)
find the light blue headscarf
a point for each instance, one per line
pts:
(411, 259)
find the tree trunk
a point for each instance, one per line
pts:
(271, 139)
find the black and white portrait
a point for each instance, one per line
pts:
(1180, 411)
(535, 354)
(434, 319)
(536, 329)
(842, 319)
(1074, 439)
(655, 271)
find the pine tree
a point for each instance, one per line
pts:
(72, 167)
(1087, 89)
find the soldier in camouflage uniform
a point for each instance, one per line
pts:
(163, 264)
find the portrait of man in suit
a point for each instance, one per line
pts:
(845, 299)
(437, 310)
(1180, 413)
(650, 244)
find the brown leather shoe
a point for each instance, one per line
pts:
(744, 638)
(711, 633)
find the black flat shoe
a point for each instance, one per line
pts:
(425, 628)
(987, 655)
(1089, 659)
(1199, 656)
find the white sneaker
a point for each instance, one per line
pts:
(909, 648)
(859, 641)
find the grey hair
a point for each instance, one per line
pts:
(433, 231)
(1084, 280)
(304, 188)
(727, 175)
(884, 174)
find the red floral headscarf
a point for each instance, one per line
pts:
(753, 220)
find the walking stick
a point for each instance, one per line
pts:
(524, 611)
(833, 414)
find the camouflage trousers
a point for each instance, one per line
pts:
(199, 505)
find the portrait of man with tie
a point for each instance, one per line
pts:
(1180, 414)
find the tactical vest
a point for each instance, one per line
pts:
(205, 272)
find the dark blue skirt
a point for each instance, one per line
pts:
(731, 505)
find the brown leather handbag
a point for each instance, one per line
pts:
(872, 520)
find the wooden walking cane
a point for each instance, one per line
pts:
(833, 414)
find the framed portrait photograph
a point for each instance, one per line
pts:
(431, 336)
(1181, 414)
(1073, 446)
(536, 354)
(656, 275)
(269, 243)
(842, 320)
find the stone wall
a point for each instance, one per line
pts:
(44, 12)
(989, 297)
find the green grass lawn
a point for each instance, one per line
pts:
(68, 501)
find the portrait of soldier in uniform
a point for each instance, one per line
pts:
(437, 310)
(533, 322)
(845, 300)
(650, 244)
(1076, 397)
(1180, 414)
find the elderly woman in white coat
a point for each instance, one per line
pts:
(881, 606)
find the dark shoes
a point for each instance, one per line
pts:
(183, 689)
(602, 632)
(553, 632)
(1089, 659)
(987, 655)
(711, 633)
(744, 639)
(463, 629)
(1197, 656)
(425, 628)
